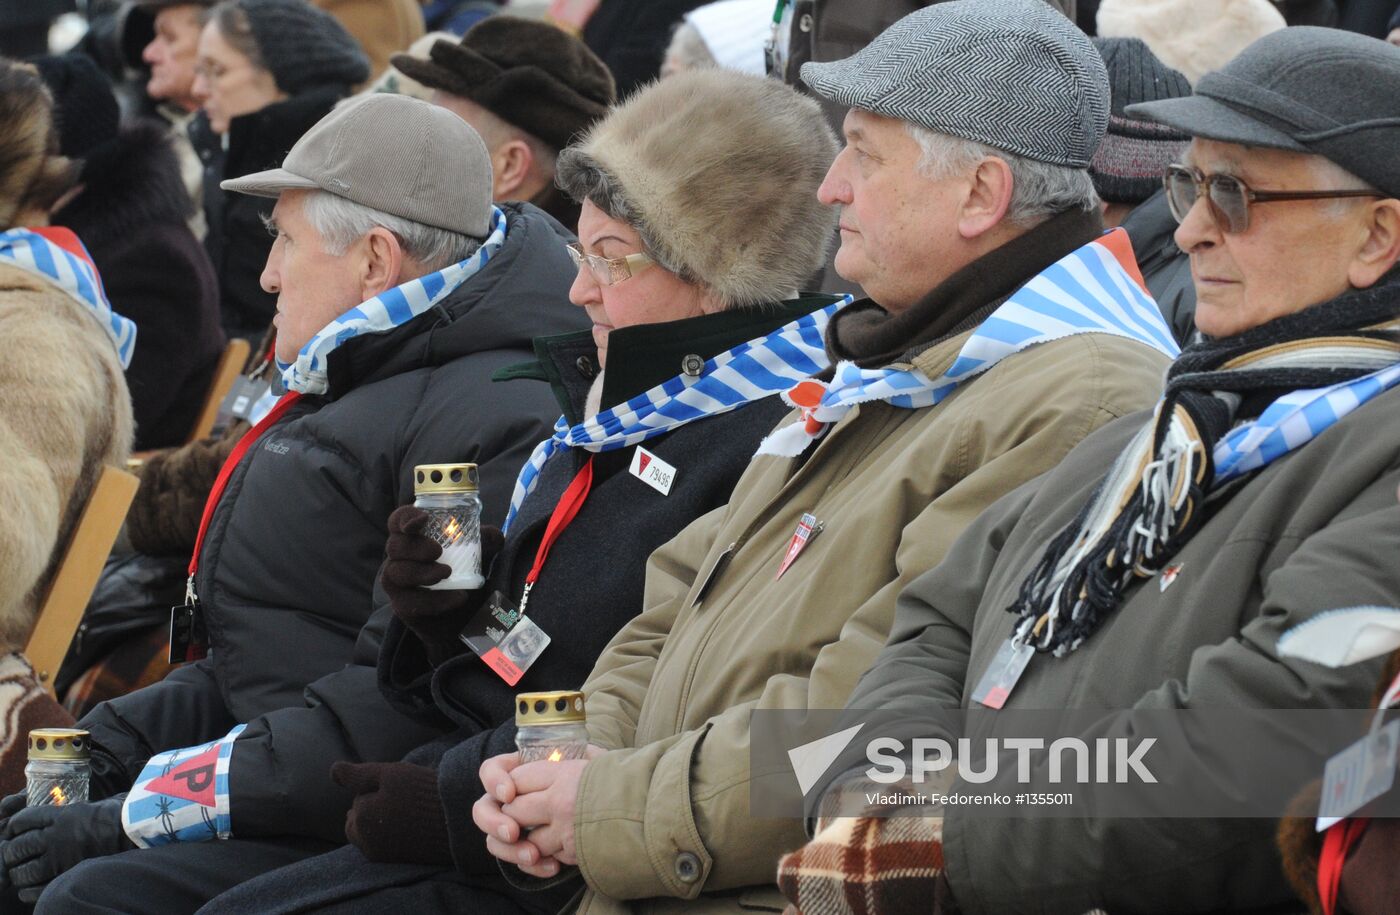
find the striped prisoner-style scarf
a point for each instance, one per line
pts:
(1095, 289)
(1329, 359)
(750, 371)
(386, 311)
(58, 256)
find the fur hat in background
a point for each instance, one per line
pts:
(718, 171)
(301, 46)
(1129, 163)
(1193, 36)
(525, 72)
(33, 174)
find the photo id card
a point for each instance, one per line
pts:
(507, 640)
(1000, 679)
(1358, 775)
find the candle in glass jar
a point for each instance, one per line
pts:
(550, 726)
(447, 492)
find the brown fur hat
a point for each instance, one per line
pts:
(718, 172)
(33, 176)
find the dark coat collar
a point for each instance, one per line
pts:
(643, 356)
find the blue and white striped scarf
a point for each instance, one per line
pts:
(386, 311)
(59, 257)
(1293, 420)
(742, 375)
(1089, 291)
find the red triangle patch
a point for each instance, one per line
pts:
(644, 459)
(191, 780)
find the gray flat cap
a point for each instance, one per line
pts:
(395, 154)
(1311, 90)
(1011, 74)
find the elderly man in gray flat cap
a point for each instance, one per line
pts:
(401, 289)
(1275, 441)
(966, 209)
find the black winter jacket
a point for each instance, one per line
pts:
(237, 242)
(593, 582)
(287, 571)
(132, 217)
(1165, 267)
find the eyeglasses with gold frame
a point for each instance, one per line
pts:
(608, 271)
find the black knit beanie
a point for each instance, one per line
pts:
(303, 46)
(1129, 163)
(84, 106)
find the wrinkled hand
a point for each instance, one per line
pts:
(411, 565)
(43, 842)
(397, 815)
(527, 812)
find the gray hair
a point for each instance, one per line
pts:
(1039, 190)
(581, 177)
(341, 223)
(1331, 176)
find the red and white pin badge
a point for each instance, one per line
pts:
(1168, 575)
(807, 530)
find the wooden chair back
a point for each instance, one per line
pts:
(231, 363)
(61, 610)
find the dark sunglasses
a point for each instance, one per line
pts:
(1229, 197)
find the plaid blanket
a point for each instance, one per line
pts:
(866, 866)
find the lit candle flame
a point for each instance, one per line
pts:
(555, 755)
(57, 796)
(452, 531)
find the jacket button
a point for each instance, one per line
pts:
(586, 368)
(692, 365)
(687, 867)
(805, 23)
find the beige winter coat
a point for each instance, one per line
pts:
(64, 412)
(666, 813)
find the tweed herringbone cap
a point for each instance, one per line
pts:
(393, 153)
(1012, 74)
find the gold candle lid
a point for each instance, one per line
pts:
(559, 707)
(58, 743)
(444, 478)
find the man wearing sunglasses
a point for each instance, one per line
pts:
(1276, 431)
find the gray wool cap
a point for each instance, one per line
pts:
(1304, 89)
(1012, 74)
(391, 153)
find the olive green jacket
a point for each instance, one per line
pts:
(665, 817)
(1318, 529)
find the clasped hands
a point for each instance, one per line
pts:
(527, 812)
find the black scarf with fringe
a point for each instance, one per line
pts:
(1153, 499)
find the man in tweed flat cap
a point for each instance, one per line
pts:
(937, 408)
(1140, 603)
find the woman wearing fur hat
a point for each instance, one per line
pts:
(692, 243)
(267, 71)
(64, 408)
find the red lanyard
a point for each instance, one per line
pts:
(564, 514)
(226, 471)
(1335, 846)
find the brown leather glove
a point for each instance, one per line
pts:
(436, 617)
(397, 815)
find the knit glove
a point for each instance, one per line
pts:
(43, 842)
(436, 617)
(867, 866)
(397, 815)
